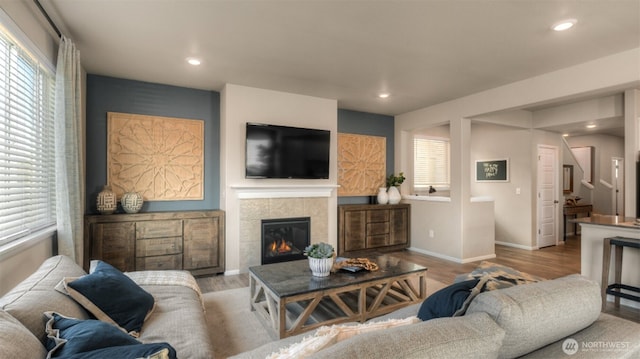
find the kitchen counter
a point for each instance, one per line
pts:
(612, 221)
(594, 230)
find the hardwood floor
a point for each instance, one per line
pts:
(550, 262)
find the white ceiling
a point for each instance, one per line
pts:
(422, 52)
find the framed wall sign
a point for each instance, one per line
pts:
(492, 170)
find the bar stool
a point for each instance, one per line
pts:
(616, 288)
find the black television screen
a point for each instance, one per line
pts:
(286, 152)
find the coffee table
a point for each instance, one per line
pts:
(289, 300)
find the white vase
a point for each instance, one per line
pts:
(394, 195)
(131, 202)
(383, 198)
(320, 267)
(106, 201)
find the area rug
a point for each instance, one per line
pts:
(234, 328)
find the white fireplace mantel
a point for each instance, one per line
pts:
(282, 191)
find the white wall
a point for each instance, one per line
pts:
(240, 104)
(18, 265)
(512, 199)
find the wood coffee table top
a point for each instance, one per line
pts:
(293, 278)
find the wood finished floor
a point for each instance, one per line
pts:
(550, 262)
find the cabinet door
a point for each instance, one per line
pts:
(114, 243)
(355, 230)
(201, 243)
(398, 231)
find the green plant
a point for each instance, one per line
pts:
(394, 180)
(319, 250)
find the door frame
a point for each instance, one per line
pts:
(617, 192)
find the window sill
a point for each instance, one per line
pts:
(25, 242)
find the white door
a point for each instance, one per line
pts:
(617, 176)
(547, 196)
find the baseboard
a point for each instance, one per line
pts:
(514, 245)
(480, 258)
(434, 254)
(449, 258)
(232, 272)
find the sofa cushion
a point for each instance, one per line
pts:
(326, 336)
(450, 301)
(608, 337)
(178, 318)
(68, 336)
(112, 297)
(35, 295)
(472, 336)
(16, 341)
(537, 314)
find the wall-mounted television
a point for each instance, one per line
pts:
(274, 151)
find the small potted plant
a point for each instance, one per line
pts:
(320, 258)
(393, 182)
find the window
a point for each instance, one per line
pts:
(27, 164)
(430, 162)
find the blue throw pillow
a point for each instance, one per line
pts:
(113, 297)
(68, 336)
(450, 301)
(137, 351)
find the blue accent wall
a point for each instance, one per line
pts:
(371, 124)
(108, 94)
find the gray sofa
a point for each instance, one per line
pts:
(178, 316)
(549, 319)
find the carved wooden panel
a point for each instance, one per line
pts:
(162, 158)
(361, 164)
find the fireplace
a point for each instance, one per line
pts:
(284, 239)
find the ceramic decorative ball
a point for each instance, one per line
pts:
(131, 202)
(106, 201)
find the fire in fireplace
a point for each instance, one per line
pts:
(284, 239)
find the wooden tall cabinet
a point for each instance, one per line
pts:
(190, 240)
(363, 227)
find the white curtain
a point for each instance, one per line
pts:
(69, 152)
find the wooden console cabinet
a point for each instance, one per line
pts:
(363, 227)
(190, 240)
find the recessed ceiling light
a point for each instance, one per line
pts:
(564, 24)
(193, 61)
(384, 95)
(591, 126)
(565, 135)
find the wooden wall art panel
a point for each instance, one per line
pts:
(160, 157)
(361, 164)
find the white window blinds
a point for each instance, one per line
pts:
(27, 164)
(430, 162)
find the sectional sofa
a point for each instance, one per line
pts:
(556, 318)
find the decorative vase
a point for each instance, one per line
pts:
(106, 201)
(320, 267)
(383, 198)
(131, 202)
(394, 195)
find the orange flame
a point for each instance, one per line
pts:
(281, 247)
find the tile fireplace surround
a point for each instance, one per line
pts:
(254, 210)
